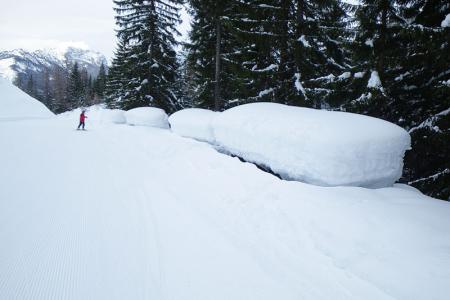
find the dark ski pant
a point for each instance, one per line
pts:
(81, 124)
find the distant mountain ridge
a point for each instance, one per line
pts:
(26, 63)
(50, 76)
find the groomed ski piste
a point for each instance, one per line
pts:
(139, 212)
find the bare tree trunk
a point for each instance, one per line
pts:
(217, 100)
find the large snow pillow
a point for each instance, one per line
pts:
(115, 116)
(315, 146)
(97, 113)
(194, 123)
(147, 116)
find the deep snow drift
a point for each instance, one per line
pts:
(99, 114)
(315, 146)
(147, 116)
(194, 123)
(17, 105)
(133, 212)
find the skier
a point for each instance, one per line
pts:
(82, 118)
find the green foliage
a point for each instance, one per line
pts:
(76, 88)
(404, 42)
(144, 70)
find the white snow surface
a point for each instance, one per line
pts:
(5, 69)
(304, 41)
(374, 81)
(194, 123)
(104, 115)
(97, 114)
(446, 21)
(359, 74)
(17, 105)
(315, 146)
(369, 42)
(345, 75)
(147, 116)
(123, 212)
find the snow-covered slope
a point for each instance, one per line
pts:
(17, 105)
(131, 212)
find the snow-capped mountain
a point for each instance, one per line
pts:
(20, 61)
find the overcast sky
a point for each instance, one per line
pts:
(36, 24)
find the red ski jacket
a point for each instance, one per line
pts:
(82, 117)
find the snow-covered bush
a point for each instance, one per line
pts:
(314, 146)
(16, 104)
(194, 123)
(147, 116)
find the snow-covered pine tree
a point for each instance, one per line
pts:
(402, 58)
(75, 88)
(289, 48)
(60, 79)
(255, 26)
(99, 84)
(212, 41)
(87, 87)
(185, 83)
(118, 76)
(378, 49)
(316, 34)
(423, 91)
(147, 29)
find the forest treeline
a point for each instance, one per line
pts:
(384, 58)
(64, 88)
(387, 59)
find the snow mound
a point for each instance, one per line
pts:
(105, 115)
(17, 105)
(315, 146)
(115, 116)
(147, 116)
(194, 123)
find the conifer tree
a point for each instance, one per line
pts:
(118, 77)
(317, 35)
(75, 88)
(147, 29)
(60, 91)
(401, 74)
(31, 88)
(257, 26)
(423, 91)
(210, 53)
(48, 91)
(100, 82)
(270, 50)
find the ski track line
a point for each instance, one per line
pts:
(121, 233)
(161, 179)
(143, 205)
(263, 257)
